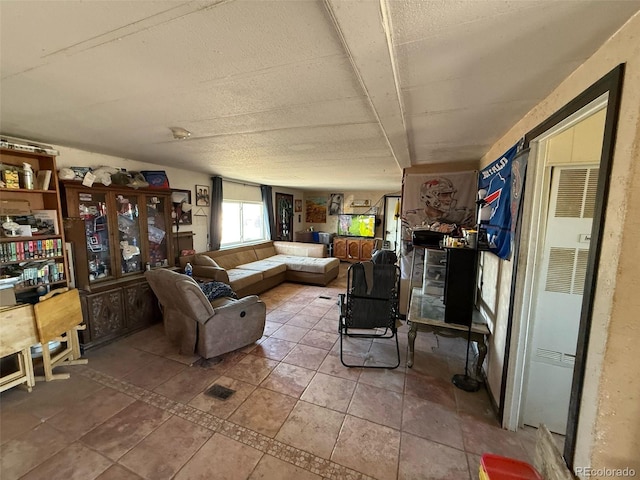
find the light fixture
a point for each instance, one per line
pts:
(180, 133)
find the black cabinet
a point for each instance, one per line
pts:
(449, 281)
(460, 285)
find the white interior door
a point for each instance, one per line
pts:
(391, 223)
(557, 300)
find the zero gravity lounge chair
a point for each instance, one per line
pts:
(371, 303)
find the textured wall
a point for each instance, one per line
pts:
(609, 426)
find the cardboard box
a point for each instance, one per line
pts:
(15, 207)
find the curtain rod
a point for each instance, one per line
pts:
(240, 182)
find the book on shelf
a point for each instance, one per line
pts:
(47, 219)
(43, 179)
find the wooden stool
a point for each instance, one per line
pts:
(58, 318)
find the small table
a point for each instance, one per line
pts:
(425, 315)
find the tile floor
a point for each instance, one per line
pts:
(139, 409)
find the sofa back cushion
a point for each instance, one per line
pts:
(205, 260)
(229, 259)
(265, 250)
(317, 250)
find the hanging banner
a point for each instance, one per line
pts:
(495, 216)
(442, 202)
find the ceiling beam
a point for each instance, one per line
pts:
(365, 32)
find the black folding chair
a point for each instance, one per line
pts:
(371, 303)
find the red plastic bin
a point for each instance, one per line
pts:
(495, 467)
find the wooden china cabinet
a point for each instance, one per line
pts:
(117, 233)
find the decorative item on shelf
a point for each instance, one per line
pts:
(43, 179)
(156, 178)
(182, 206)
(10, 227)
(202, 196)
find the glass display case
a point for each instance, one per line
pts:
(125, 231)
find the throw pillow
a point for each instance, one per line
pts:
(213, 290)
(204, 260)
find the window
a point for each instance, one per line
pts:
(242, 222)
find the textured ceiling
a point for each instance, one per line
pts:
(333, 95)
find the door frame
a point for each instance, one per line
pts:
(509, 408)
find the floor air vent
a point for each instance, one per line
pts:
(220, 392)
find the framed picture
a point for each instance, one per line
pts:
(335, 203)
(202, 196)
(181, 200)
(298, 206)
(316, 210)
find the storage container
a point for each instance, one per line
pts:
(495, 467)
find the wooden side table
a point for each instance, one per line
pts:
(425, 316)
(17, 335)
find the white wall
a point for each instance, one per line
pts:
(609, 423)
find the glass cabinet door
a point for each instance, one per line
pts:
(93, 210)
(157, 231)
(129, 234)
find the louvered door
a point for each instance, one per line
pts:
(558, 297)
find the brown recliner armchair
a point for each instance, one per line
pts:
(197, 325)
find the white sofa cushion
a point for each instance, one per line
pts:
(307, 264)
(267, 267)
(239, 278)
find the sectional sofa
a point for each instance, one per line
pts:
(252, 269)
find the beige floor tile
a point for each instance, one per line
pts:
(331, 392)
(29, 450)
(384, 378)
(288, 379)
(274, 348)
(75, 462)
(158, 370)
(319, 339)
(289, 332)
(280, 316)
(327, 324)
(49, 398)
(125, 430)
(221, 458)
(223, 408)
(431, 364)
(187, 384)
(430, 388)
(15, 422)
(422, 459)
(118, 359)
(303, 321)
(79, 419)
(270, 468)
(161, 454)
(368, 448)
(118, 472)
(312, 428)
(385, 354)
(479, 438)
(270, 327)
(431, 421)
(377, 405)
(332, 365)
(252, 369)
(306, 357)
(264, 411)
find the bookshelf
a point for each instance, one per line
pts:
(40, 259)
